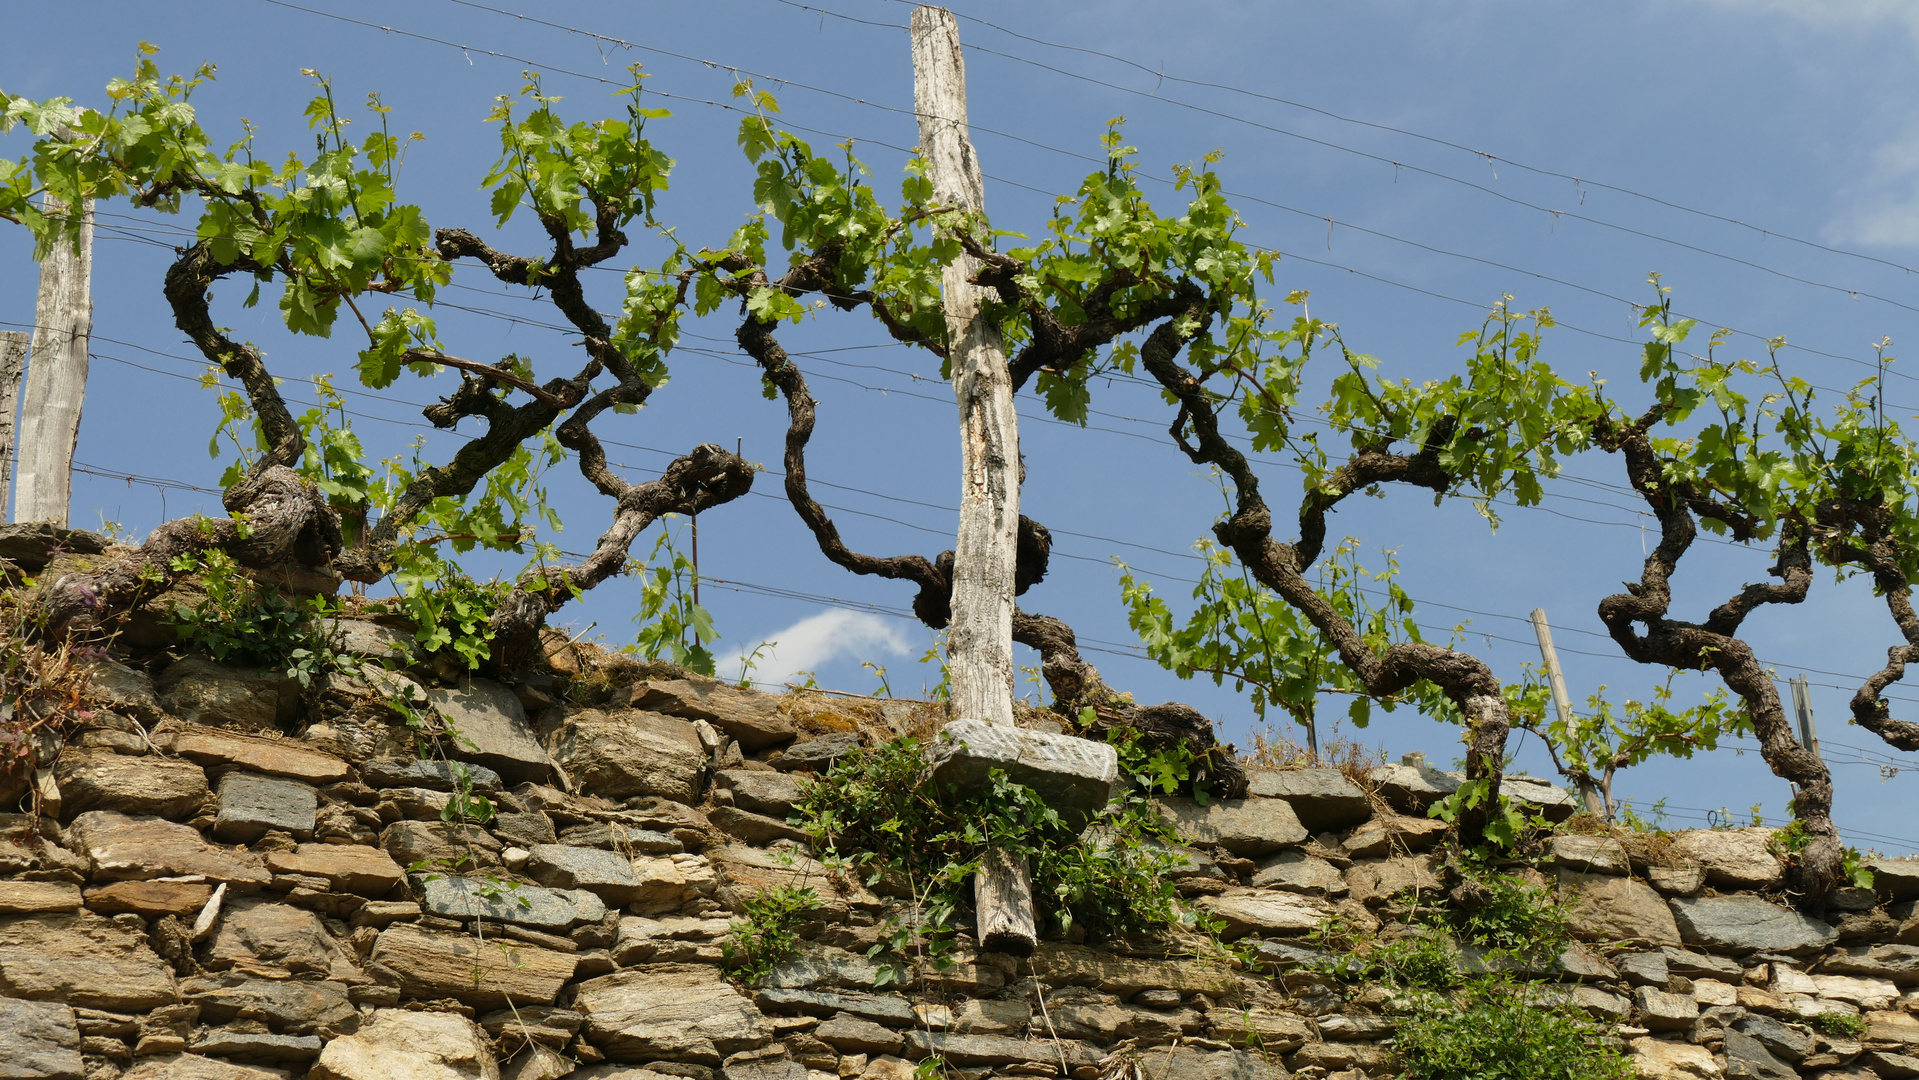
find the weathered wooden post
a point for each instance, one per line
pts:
(13, 363)
(1563, 705)
(1073, 775)
(56, 378)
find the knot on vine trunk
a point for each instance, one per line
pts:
(1032, 554)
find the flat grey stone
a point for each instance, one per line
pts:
(1693, 965)
(492, 730)
(1073, 776)
(752, 718)
(1324, 800)
(200, 691)
(99, 779)
(1412, 786)
(82, 960)
(1245, 827)
(1542, 797)
(1733, 858)
(252, 806)
(614, 836)
(995, 1049)
(1193, 1063)
(357, 637)
(853, 1035)
(753, 828)
(1279, 954)
(259, 1049)
(1275, 913)
(759, 791)
(1742, 924)
(1590, 854)
(817, 754)
(1895, 879)
(1748, 1059)
(1682, 880)
(523, 830)
(552, 910)
(1661, 1011)
(1600, 1004)
(115, 686)
(673, 1014)
(432, 775)
(39, 1041)
(617, 755)
(890, 1009)
(288, 1006)
(1643, 968)
(1296, 871)
(1786, 1042)
(606, 874)
(824, 966)
(1604, 908)
(764, 1068)
(1899, 963)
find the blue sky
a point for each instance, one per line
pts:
(1412, 162)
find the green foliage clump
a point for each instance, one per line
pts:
(1498, 1029)
(1511, 917)
(1469, 1018)
(241, 621)
(876, 814)
(769, 933)
(452, 613)
(1839, 1025)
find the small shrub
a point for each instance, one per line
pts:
(1495, 1029)
(875, 815)
(1509, 916)
(769, 933)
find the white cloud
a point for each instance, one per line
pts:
(817, 640)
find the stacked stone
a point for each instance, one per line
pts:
(235, 880)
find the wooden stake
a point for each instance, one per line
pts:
(13, 363)
(1563, 705)
(56, 379)
(1802, 704)
(980, 636)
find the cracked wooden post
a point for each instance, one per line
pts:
(56, 379)
(980, 638)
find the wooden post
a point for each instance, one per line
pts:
(980, 637)
(56, 379)
(13, 362)
(1563, 705)
(1802, 704)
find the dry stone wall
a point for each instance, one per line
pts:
(217, 887)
